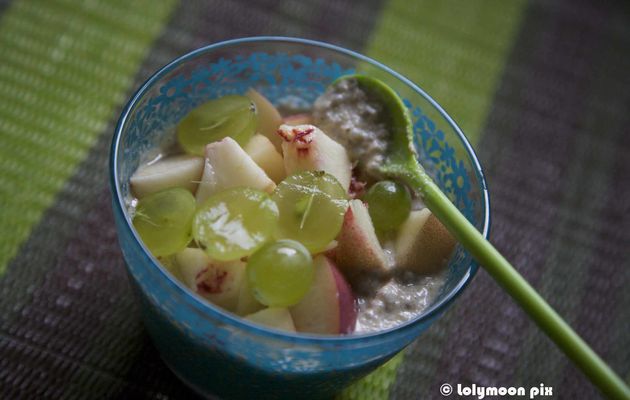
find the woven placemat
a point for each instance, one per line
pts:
(549, 114)
(554, 150)
(555, 154)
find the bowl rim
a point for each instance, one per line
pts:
(225, 316)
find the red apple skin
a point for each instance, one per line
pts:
(221, 283)
(357, 187)
(347, 303)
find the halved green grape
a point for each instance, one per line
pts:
(234, 223)
(280, 273)
(389, 204)
(232, 115)
(164, 220)
(312, 205)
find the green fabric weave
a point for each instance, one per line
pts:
(455, 50)
(65, 66)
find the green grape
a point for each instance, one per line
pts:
(164, 220)
(389, 204)
(280, 273)
(234, 223)
(232, 115)
(312, 205)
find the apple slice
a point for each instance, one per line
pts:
(247, 303)
(298, 119)
(330, 251)
(227, 165)
(307, 148)
(176, 171)
(329, 305)
(219, 282)
(269, 118)
(263, 152)
(170, 264)
(359, 250)
(273, 317)
(191, 262)
(423, 244)
(357, 187)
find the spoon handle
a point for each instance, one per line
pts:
(516, 286)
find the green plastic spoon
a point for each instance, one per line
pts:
(401, 163)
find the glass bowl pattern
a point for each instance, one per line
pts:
(215, 351)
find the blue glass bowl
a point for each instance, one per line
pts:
(214, 351)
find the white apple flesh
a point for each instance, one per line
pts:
(227, 165)
(273, 317)
(307, 148)
(269, 118)
(177, 171)
(191, 262)
(359, 250)
(329, 306)
(423, 244)
(219, 282)
(264, 153)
